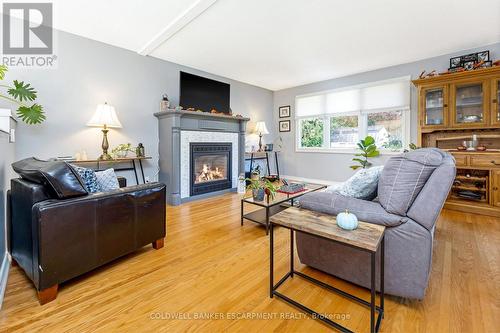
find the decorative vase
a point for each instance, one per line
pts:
(347, 221)
(258, 195)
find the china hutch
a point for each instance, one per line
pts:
(452, 108)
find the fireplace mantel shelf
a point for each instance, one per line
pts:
(172, 112)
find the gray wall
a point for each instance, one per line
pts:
(334, 166)
(7, 152)
(90, 73)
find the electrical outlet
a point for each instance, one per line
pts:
(12, 137)
(147, 179)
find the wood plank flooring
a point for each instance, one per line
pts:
(212, 276)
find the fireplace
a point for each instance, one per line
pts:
(210, 167)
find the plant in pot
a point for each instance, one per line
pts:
(368, 150)
(121, 150)
(255, 175)
(21, 94)
(257, 189)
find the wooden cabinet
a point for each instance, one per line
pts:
(495, 101)
(495, 188)
(470, 104)
(453, 108)
(433, 102)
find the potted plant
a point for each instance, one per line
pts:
(255, 175)
(121, 150)
(21, 93)
(368, 149)
(259, 188)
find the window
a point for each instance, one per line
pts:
(338, 119)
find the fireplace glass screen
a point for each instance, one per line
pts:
(209, 168)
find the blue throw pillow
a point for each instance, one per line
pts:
(89, 178)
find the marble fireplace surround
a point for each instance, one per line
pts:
(179, 128)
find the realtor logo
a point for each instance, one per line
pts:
(27, 28)
(27, 36)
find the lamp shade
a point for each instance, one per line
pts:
(105, 114)
(261, 128)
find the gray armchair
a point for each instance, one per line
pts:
(411, 193)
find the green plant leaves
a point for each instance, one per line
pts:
(31, 114)
(22, 92)
(369, 140)
(3, 70)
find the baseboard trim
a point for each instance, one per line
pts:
(309, 180)
(4, 275)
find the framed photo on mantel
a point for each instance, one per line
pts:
(284, 111)
(284, 126)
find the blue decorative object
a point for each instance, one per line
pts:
(347, 221)
(89, 178)
(258, 195)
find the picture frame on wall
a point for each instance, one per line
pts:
(284, 126)
(284, 111)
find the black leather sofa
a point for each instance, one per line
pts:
(59, 231)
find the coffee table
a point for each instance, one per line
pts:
(274, 206)
(367, 237)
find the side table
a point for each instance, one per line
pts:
(367, 237)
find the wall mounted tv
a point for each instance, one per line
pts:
(204, 94)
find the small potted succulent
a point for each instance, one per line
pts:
(255, 175)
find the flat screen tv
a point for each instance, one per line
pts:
(204, 94)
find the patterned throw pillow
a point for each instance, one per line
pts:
(107, 180)
(363, 185)
(89, 178)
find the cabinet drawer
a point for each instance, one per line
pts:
(485, 161)
(461, 160)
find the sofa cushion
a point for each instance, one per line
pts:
(404, 176)
(57, 176)
(363, 185)
(107, 180)
(334, 203)
(89, 178)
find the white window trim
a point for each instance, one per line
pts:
(406, 118)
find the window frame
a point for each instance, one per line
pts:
(362, 120)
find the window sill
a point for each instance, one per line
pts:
(349, 151)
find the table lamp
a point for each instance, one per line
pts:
(105, 116)
(261, 129)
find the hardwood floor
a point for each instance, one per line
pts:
(211, 266)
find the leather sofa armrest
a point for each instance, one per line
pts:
(79, 234)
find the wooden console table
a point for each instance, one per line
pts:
(132, 160)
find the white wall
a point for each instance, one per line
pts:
(335, 167)
(90, 73)
(7, 152)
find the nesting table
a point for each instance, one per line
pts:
(273, 206)
(368, 238)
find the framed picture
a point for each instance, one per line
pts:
(469, 57)
(284, 111)
(285, 126)
(483, 56)
(469, 65)
(455, 62)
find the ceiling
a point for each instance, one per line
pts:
(278, 44)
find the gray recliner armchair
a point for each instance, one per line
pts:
(412, 190)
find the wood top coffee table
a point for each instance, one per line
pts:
(367, 237)
(273, 206)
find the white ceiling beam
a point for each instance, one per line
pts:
(192, 12)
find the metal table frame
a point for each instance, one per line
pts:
(121, 160)
(374, 324)
(270, 209)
